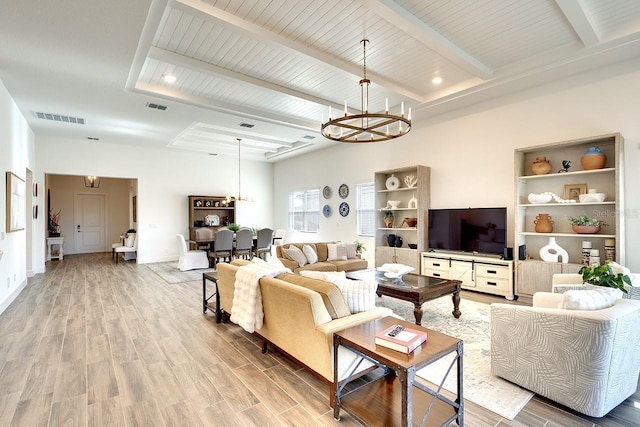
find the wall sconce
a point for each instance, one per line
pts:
(92, 181)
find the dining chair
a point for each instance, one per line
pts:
(278, 237)
(119, 244)
(222, 246)
(244, 243)
(263, 244)
(204, 237)
(190, 260)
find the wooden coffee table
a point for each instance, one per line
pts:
(414, 288)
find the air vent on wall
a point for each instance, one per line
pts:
(60, 118)
(93, 138)
(309, 137)
(156, 106)
(246, 125)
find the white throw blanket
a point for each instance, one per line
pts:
(247, 300)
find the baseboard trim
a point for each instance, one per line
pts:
(7, 302)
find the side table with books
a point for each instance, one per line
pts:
(395, 397)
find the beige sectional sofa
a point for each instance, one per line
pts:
(323, 264)
(300, 316)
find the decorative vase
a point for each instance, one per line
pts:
(413, 202)
(541, 166)
(398, 242)
(391, 240)
(585, 229)
(553, 252)
(392, 183)
(543, 223)
(388, 222)
(594, 158)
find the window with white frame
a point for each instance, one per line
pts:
(304, 210)
(366, 210)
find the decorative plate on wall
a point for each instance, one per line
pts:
(326, 211)
(343, 191)
(326, 192)
(344, 208)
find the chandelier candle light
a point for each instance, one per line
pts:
(366, 127)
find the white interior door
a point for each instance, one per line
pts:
(90, 223)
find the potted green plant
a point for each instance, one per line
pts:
(583, 224)
(233, 227)
(359, 248)
(602, 275)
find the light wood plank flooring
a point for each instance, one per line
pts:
(91, 343)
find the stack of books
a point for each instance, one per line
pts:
(399, 338)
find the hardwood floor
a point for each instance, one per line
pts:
(92, 343)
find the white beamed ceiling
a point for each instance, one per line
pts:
(279, 64)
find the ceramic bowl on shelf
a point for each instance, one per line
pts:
(412, 245)
(592, 198)
(394, 204)
(585, 229)
(539, 198)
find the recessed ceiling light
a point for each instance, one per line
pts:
(436, 80)
(169, 78)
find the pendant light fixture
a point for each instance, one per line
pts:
(239, 197)
(92, 181)
(366, 126)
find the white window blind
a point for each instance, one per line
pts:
(304, 210)
(366, 211)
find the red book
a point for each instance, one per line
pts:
(405, 341)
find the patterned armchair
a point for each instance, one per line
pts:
(587, 360)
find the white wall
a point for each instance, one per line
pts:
(471, 151)
(165, 179)
(16, 155)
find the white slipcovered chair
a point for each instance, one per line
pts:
(587, 360)
(190, 260)
(130, 248)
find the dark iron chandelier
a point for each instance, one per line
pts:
(366, 127)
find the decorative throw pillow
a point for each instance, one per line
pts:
(131, 239)
(295, 254)
(310, 253)
(330, 293)
(351, 251)
(337, 252)
(592, 299)
(360, 295)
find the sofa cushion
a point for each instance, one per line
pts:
(295, 254)
(350, 264)
(318, 266)
(336, 252)
(590, 299)
(310, 253)
(331, 294)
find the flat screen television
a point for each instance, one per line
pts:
(475, 230)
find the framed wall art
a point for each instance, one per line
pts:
(16, 203)
(573, 191)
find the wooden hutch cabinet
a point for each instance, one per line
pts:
(209, 211)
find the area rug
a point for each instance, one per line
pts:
(479, 386)
(170, 273)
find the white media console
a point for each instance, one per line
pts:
(487, 274)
